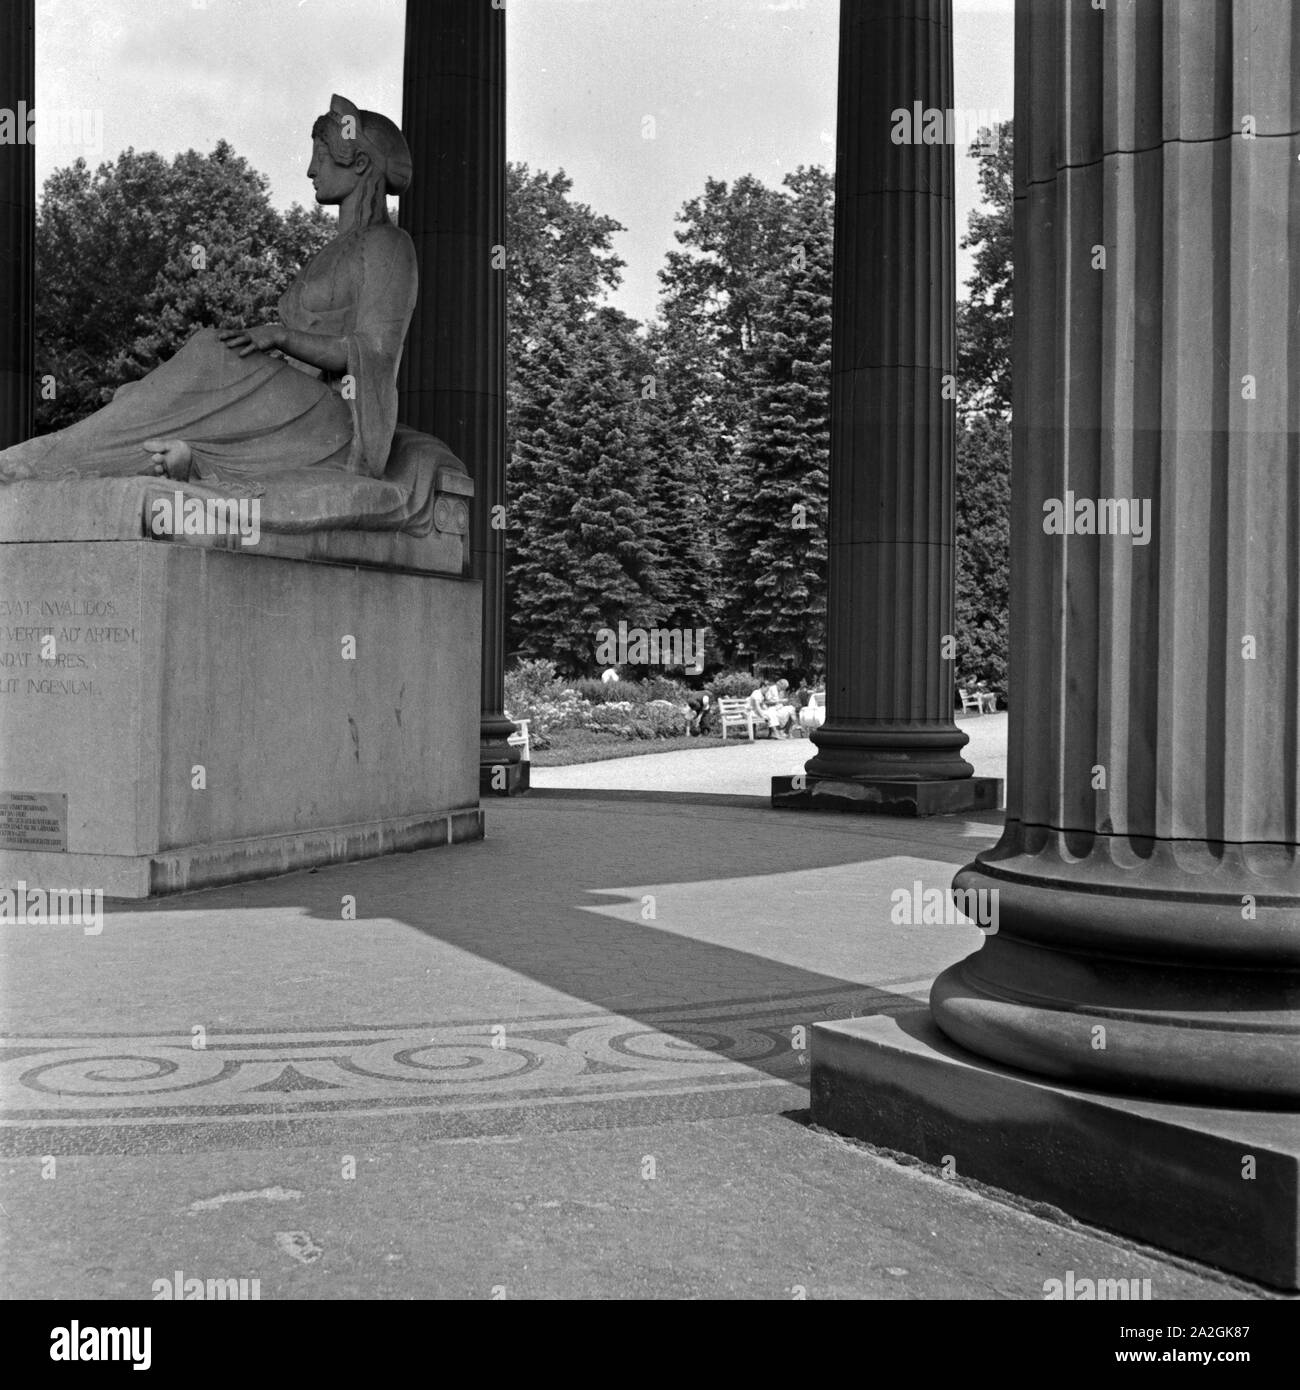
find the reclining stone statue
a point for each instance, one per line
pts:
(301, 412)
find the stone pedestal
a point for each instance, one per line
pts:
(17, 225)
(187, 716)
(889, 695)
(453, 375)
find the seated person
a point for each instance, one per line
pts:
(771, 704)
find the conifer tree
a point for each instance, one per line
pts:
(676, 492)
(777, 526)
(580, 539)
(983, 548)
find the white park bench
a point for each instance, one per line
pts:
(519, 739)
(977, 701)
(737, 713)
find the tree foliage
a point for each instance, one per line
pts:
(983, 548)
(776, 536)
(135, 257)
(560, 256)
(579, 538)
(686, 556)
(984, 429)
(745, 334)
(984, 317)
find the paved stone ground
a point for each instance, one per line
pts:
(562, 1062)
(742, 768)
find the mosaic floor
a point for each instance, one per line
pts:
(127, 1091)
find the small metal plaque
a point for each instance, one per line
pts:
(34, 820)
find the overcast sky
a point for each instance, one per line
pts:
(734, 87)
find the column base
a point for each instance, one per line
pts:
(503, 779)
(1218, 1037)
(1159, 968)
(502, 768)
(805, 791)
(1219, 1185)
(911, 750)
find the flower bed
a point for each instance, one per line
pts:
(655, 708)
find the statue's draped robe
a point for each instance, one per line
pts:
(266, 426)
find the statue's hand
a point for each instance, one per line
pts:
(245, 340)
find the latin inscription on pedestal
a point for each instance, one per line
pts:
(52, 643)
(71, 653)
(34, 820)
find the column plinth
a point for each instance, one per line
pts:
(1148, 879)
(453, 375)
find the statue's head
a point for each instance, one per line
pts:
(354, 148)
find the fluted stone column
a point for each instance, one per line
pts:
(17, 224)
(1124, 1043)
(1149, 875)
(453, 376)
(890, 729)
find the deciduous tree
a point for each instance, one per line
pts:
(134, 257)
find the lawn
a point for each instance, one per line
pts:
(585, 746)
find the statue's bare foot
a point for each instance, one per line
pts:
(170, 456)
